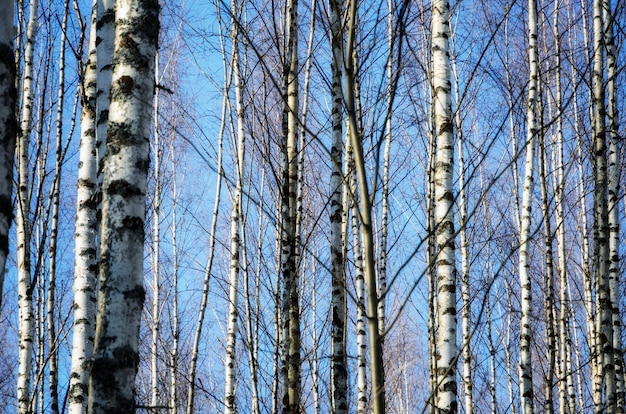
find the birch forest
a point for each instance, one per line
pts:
(312, 206)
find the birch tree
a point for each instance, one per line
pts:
(605, 374)
(339, 369)
(121, 293)
(25, 288)
(365, 212)
(85, 262)
(526, 333)
(614, 196)
(235, 220)
(291, 341)
(8, 97)
(446, 321)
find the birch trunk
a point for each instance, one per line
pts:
(25, 288)
(291, 341)
(8, 122)
(121, 293)
(444, 216)
(53, 371)
(105, 33)
(526, 334)
(466, 313)
(549, 282)
(357, 252)
(235, 226)
(209, 265)
(338, 361)
(365, 215)
(614, 195)
(567, 396)
(174, 355)
(605, 376)
(156, 246)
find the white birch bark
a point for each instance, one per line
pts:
(156, 244)
(291, 341)
(8, 129)
(350, 202)
(605, 375)
(174, 353)
(126, 162)
(235, 226)
(105, 33)
(526, 334)
(444, 215)
(338, 358)
(466, 314)
(567, 396)
(549, 298)
(384, 213)
(252, 319)
(614, 197)
(25, 288)
(191, 387)
(53, 358)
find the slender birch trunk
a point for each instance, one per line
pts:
(191, 388)
(466, 314)
(25, 287)
(567, 396)
(444, 215)
(614, 196)
(549, 282)
(235, 224)
(252, 319)
(8, 128)
(365, 214)
(605, 376)
(582, 192)
(384, 213)
(351, 203)
(121, 293)
(338, 358)
(431, 271)
(157, 151)
(53, 371)
(526, 334)
(174, 353)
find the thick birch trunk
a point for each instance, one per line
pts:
(614, 196)
(121, 293)
(605, 375)
(444, 216)
(291, 341)
(105, 33)
(8, 129)
(338, 361)
(25, 288)
(85, 260)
